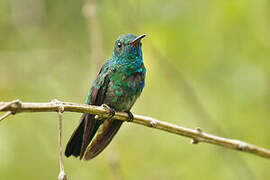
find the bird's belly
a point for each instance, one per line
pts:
(122, 95)
(120, 101)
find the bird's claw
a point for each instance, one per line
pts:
(130, 116)
(112, 111)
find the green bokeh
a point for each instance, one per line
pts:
(208, 66)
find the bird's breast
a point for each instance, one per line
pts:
(124, 89)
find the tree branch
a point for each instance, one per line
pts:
(196, 135)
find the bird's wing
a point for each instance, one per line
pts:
(97, 97)
(88, 125)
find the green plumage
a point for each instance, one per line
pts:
(118, 85)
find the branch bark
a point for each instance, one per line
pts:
(196, 135)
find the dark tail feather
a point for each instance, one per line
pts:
(104, 136)
(82, 136)
(90, 129)
(75, 142)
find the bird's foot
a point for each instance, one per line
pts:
(130, 116)
(112, 111)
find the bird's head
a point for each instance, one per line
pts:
(128, 47)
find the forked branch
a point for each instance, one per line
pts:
(196, 135)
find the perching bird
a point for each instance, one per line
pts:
(117, 86)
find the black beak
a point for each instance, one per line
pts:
(136, 41)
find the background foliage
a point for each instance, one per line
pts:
(208, 66)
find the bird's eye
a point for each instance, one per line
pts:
(119, 44)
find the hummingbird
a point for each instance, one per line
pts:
(117, 86)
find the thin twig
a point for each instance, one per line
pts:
(62, 175)
(5, 115)
(197, 135)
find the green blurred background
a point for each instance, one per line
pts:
(208, 66)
